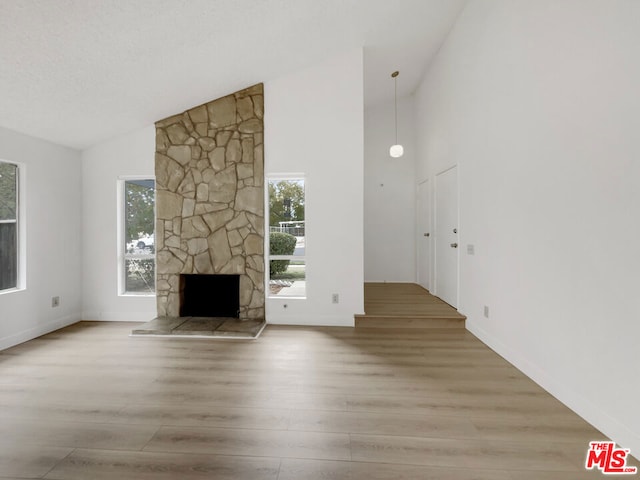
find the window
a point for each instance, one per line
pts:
(138, 237)
(287, 244)
(8, 226)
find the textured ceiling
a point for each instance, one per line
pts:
(77, 72)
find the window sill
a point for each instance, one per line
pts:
(285, 297)
(12, 290)
(132, 294)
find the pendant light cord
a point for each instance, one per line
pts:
(395, 102)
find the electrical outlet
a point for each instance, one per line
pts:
(55, 302)
(335, 298)
(486, 311)
(471, 250)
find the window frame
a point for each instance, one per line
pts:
(20, 229)
(270, 178)
(122, 254)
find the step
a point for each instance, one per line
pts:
(406, 321)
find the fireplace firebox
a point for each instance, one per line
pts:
(203, 295)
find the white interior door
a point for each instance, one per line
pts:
(423, 231)
(446, 236)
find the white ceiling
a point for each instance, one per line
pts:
(77, 72)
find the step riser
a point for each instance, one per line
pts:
(408, 322)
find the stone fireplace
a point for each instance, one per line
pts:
(210, 201)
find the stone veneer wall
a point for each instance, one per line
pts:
(210, 198)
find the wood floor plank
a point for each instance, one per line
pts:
(110, 465)
(551, 475)
(454, 453)
(206, 416)
(238, 397)
(61, 393)
(297, 469)
(260, 443)
(77, 434)
(433, 406)
(535, 429)
(383, 424)
(38, 409)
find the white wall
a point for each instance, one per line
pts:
(538, 104)
(53, 239)
(314, 125)
(389, 194)
(102, 165)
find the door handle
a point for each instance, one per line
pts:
(426, 234)
(454, 245)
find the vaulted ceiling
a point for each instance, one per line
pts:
(77, 72)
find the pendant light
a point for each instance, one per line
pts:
(396, 150)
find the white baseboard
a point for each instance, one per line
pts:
(582, 406)
(312, 320)
(390, 281)
(37, 331)
(95, 316)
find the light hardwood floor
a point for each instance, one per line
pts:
(90, 402)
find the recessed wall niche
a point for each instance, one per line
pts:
(209, 167)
